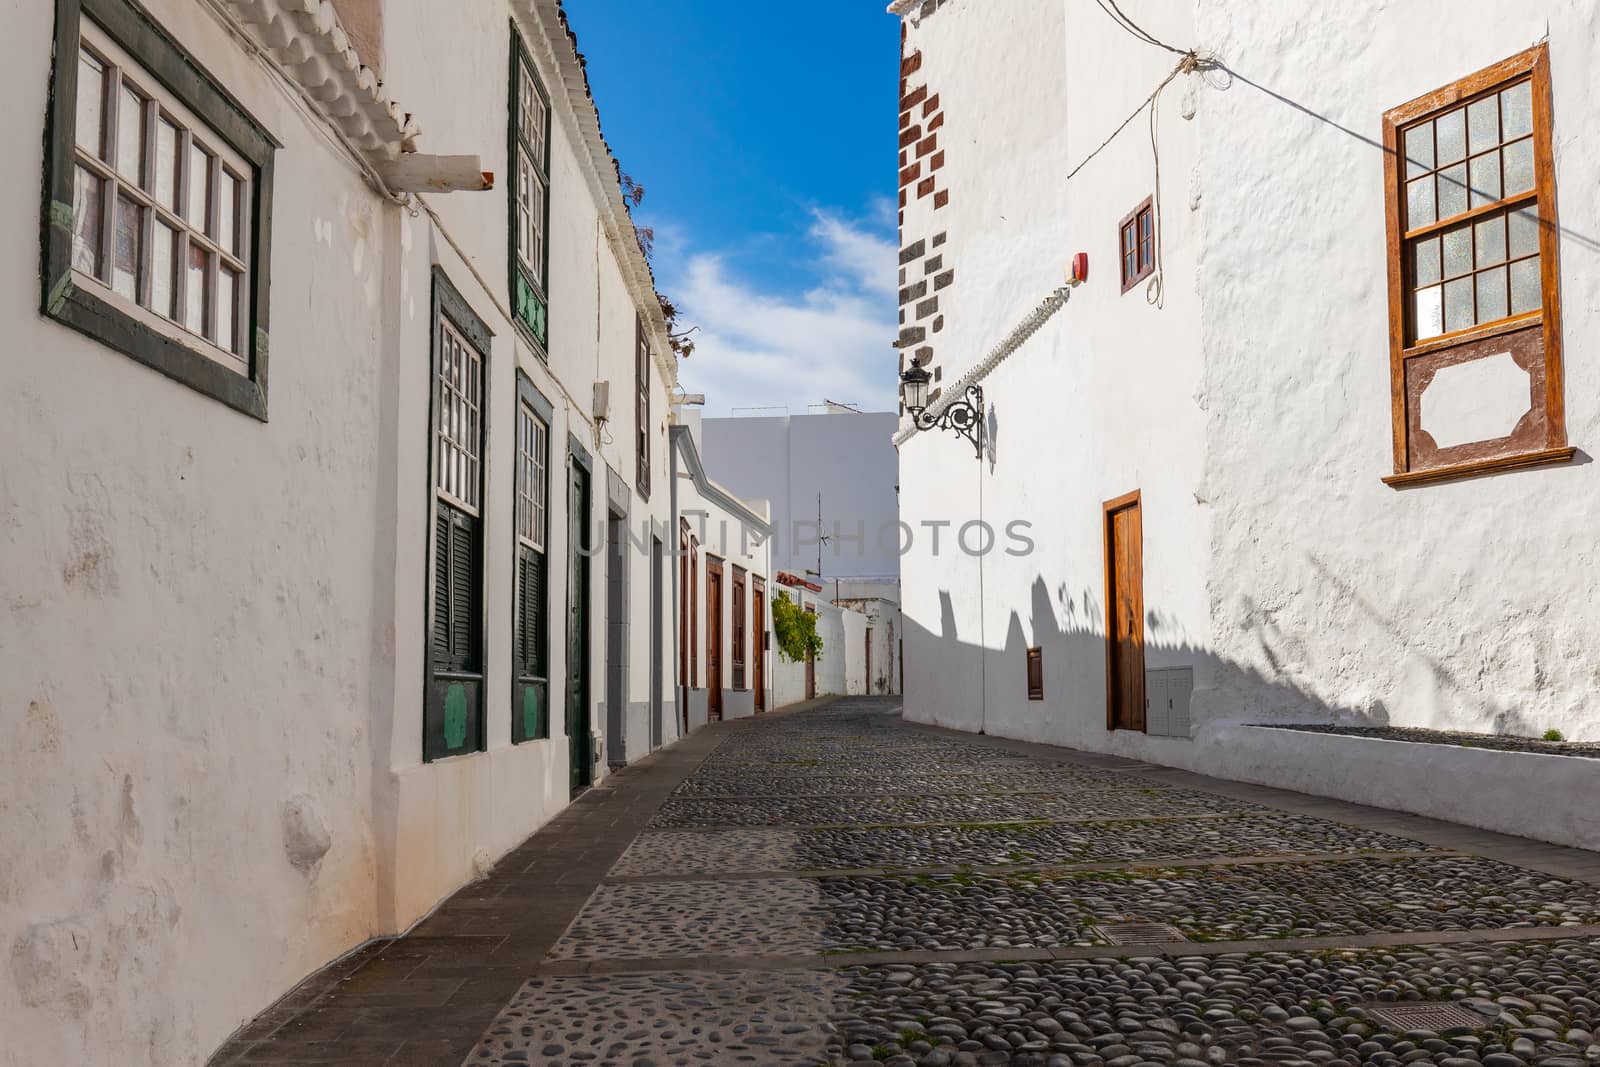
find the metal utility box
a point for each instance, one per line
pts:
(1166, 696)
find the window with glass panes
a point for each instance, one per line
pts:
(1137, 242)
(156, 227)
(158, 202)
(453, 707)
(530, 686)
(1472, 242)
(530, 194)
(460, 426)
(641, 407)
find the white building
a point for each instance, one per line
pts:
(1306, 442)
(832, 481)
(724, 576)
(287, 662)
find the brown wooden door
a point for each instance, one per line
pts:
(1124, 537)
(758, 626)
(713, 641)
(869, 661)
(811, 666)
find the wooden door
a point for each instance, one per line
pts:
(811, 666)
(1124, 538)
(758, 626)
(713, 641)
(869, 661)
(578, 740)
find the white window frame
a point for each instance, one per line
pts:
(533, 452)
(460, 421)
(192, 133)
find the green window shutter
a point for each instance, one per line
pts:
(464, 592)
(441, 587)
(530, 612)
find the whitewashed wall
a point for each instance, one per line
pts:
(187, 625)
(160, 771)
(1251, 409)
(738, 542)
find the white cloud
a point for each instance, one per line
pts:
(762, 348)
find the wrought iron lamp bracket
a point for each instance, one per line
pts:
(964, 417)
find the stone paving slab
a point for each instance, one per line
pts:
(1536, 1002)
(1088, 842)
(759, 917)
(683, 1018)
(1087, 804)
(670, 919)
(1281, 900)
(745, 784)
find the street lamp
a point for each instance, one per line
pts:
(965, 416)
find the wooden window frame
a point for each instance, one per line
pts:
(172, 82)
(1144, 247)
(1533, 65)
(641, 408)
(451, 312)
(1036, 673)
(528, 283)
(531, 659)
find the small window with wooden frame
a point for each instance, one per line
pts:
(1035, 674)
(1136, 240)
(1474, 296)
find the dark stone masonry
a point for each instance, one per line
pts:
(834, 886)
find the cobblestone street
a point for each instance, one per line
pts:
(835, 886)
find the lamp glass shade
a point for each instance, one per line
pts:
(914, 388)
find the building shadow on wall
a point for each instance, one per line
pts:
(986, 689)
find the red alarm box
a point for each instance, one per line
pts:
(1080, 269)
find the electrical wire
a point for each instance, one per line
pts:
(1120, 17)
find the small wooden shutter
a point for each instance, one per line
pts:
(530, 612)
(441, 586)
(456, 591)
(1035, 674)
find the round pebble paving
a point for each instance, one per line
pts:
(1221, 903)
(685, 1019)
(1537, 1003)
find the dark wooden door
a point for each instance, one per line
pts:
(869, 661)
(578, 740)
(1124, 537)
(713, 641)
(811, 666)
(758, 626)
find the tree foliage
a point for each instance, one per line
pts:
(794, 630)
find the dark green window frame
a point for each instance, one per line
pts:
(452, 718)
(528, 288)
(530, 623)
(96, 313)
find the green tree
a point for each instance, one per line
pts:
(794, 630)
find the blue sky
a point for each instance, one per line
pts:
(764, 137)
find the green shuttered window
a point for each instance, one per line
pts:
(529, 159)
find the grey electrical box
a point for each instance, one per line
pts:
(1166, 696)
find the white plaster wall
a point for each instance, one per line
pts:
(727, 536)
(188, 622)
(847, 457)
(286, 563)
(1251, 409)
(456, 816)
(1463, 605)
(1101, 401)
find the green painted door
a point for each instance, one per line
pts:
(578, 626)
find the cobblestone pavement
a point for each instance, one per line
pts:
(834, 886)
